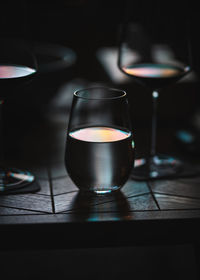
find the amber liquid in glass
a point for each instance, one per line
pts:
(99, 158)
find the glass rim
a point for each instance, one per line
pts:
(123, 93)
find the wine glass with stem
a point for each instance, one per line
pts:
(18, 66)
(155, 54)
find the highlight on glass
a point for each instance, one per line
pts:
(100, 148)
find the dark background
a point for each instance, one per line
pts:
(85, 26)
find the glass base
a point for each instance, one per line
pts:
(99, 190)
(156, 167)
(11, 178)
(106, 191)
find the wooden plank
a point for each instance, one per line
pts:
(132, 188)
(64, 202)
(34, 202)
(63, 185)
(169, 202)
(188, 187)
(68, 217)
(14, 211)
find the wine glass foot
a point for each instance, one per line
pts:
(11, 178)
(156, 167)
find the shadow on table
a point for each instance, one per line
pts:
(90, 207)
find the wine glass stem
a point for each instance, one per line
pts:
(155, 96)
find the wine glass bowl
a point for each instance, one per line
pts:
(99, 150)
(154, 59)
(18, 66)
(153, 63)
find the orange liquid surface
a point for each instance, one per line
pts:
(100, 134)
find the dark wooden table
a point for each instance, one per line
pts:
(142, 212)
(58, 217)
(157, 211)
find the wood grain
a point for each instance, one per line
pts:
(188, 187)
(4, 211)
(63, 185)
(116, 202)
(169, 202)
(132, 188)
(36, 202)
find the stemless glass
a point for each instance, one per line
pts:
(99, 151)
(17, 67)
(155, 53)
